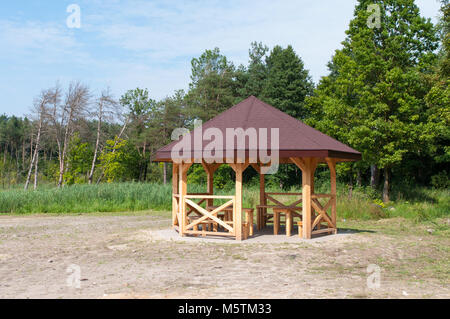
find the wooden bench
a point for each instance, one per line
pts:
(300, 228)
(228, 216)
(288, 220)
(207, 225)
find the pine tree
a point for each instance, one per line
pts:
(213, 87)
(373, 98)
(288, 83)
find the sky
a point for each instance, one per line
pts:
(150, 44)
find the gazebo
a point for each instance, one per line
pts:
(289, 141)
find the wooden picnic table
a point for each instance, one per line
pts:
(289, 211)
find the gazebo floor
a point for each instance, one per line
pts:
(264, 236)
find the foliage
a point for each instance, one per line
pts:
(441, 180)
(288, 83)
(119, 160)
(373, 98)
(213, 87)
(78, 161)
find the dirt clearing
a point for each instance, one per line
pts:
(118, 256)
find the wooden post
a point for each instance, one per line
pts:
(276, 222)
(210, 187)
(183, 168)
(262, 199)
(310, 165)
(210, 169)
(288, 222)
(175, 201)
(332, 166)
(238, 204)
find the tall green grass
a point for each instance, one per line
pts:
(417, 203)
(87, 198)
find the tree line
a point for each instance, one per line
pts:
(386, 95)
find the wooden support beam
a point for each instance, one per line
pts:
(262, 201)
(182, 185)
(310, 165)
(299, 162)
(174, 192)
(332, 166)
(257, 167)
(238, 169)
(210, 169)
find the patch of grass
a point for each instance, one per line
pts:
(88, 198)
(418, 204)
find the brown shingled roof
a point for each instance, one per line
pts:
(296, 138)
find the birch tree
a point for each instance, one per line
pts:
(41, 111)
(64, 116)
(106, 106)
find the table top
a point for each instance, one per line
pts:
(229, 208)
(279, 207)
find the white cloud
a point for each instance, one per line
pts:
(164, 32)
(40, 42)
(125, 44)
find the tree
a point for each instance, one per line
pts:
(438, 98)
(213, 87)
(288, 83)
(373, 98)
(78, 157)
(105, 108)
(119, 160)
(40, 110)
(253, 79)
(171, 114)
(64, 116)
(141, 108)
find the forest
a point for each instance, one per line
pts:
(386, 95)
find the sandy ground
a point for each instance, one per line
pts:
(138, 257)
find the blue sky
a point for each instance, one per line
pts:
(149, 44)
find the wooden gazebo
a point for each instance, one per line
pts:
(299, 144)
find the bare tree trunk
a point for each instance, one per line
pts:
(165, 173)
(143, 171)
(64, 150)
(97, 142)
(358, 177)
(23, 153)
(373, 173)
(31, 145)
(77, 99)
(386, 185)
(36, 149)
(36, 170)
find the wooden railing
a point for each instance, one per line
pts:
(269, 197)
(322, 215)
(317, 208)
(176, 203)
(206, 218)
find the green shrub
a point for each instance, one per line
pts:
(440, 180)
